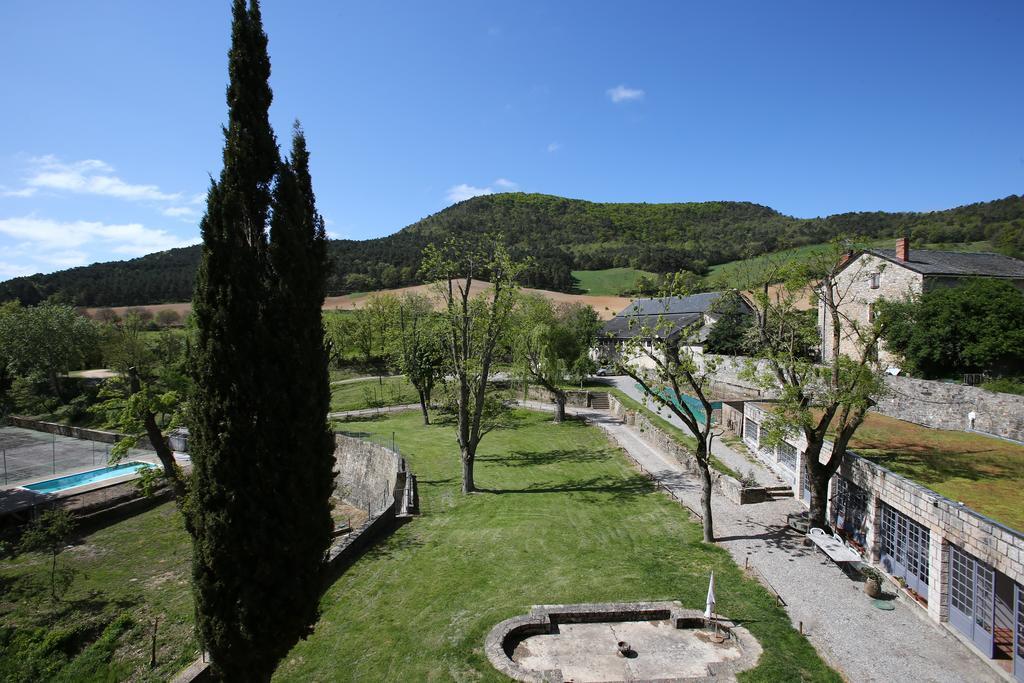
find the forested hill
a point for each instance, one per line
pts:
(560, 234)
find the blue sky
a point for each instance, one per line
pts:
(111, 110)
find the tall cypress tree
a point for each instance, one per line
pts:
(298, 438)
(245, 556)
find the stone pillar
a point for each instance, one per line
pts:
(873, 535)
(938, 576)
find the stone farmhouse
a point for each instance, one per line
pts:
(671, 317)
(894, 274)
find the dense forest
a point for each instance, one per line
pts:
(561, 235)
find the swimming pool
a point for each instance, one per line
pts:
(92, 476)
(696, 407)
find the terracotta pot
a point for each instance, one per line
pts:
(873, 587)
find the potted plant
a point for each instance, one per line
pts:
(872, 581)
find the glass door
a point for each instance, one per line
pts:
(1018, 634)
(971, 598)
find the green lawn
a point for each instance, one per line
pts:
(608, 282)
(372, 393)
(124, 576)
(563, 519)
(986, 474)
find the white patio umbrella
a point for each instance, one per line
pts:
(709, 609)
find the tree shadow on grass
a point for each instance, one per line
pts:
(531, 458)
(619, 488)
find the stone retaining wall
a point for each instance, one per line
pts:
(576, 398)
(64, 430)
(657, 438)
(943, 405)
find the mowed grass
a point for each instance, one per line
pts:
(608, 282)
(984, 473)
(563, 518)
(123, 577)
(372, 393)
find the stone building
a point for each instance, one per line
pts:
(963, 568)
(684, 318)
(894, 274)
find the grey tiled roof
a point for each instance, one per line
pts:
(956, 263)
(673, 314)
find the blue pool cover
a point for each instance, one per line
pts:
(692, 401)
(72, 480)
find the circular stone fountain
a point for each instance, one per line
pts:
(619, 642)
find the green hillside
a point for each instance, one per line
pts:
(607, 282)
(560, 236)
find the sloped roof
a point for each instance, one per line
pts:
(673, 314)
(956, 263)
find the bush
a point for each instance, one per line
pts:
(1005, 385)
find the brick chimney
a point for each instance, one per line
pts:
(903, 249)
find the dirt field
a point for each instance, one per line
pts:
(606, 306)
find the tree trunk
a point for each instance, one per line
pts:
(468, 485)
(163, 452)
(423, 407)
(559, 408)
(818, 483)
(705, 492)
(58, 388)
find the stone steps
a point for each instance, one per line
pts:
(777, 492)
(599, 401)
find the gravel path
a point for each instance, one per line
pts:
(737, 461)
(864, 643)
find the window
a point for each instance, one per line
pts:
(750, 430)
(787, 455)
(876, 280)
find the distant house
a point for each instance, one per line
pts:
(689, 317)
(896, 273)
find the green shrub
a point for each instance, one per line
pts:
(1005, 385)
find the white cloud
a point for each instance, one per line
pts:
(90, 176)
(621, 93)
(9, 270)
(179, 211)
(554, 146)
(23, 192)
(462, 192)
(63, 243)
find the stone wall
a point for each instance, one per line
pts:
(948, 406)
(64, 430)
(367, 473)
(576, 398)
(940, 405)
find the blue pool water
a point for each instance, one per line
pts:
(692, 401)
(72, 480)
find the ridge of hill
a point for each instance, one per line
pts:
(560, 235)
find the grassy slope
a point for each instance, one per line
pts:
(374, 392)
(986, 474)
(609, 282)
(566, 520)
(138, 567)
(724, 273)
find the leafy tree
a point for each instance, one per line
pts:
(49, 533)
(261, 472)
(416, 347)
(675, 374)
(50, 339)
(815, 400)
(729, 335)
(145, 400)
(976, 326)
(474, 325)
(363, 328)
(550, 343)
(168, 318)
